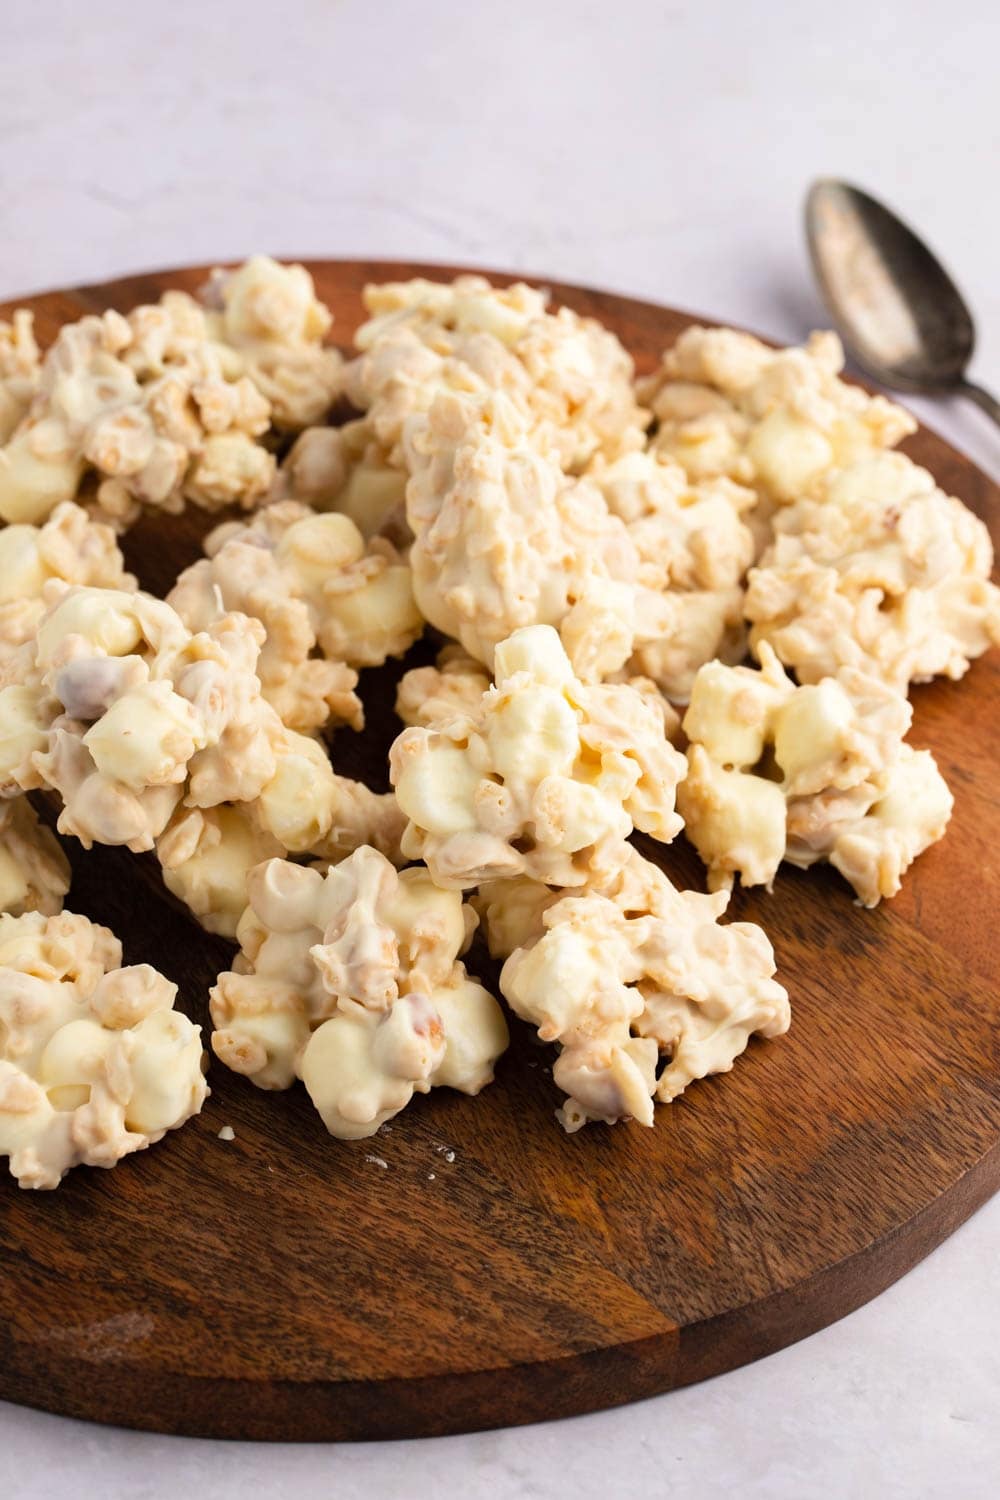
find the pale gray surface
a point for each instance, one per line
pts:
(661, 150)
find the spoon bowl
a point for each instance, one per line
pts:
(896, 308)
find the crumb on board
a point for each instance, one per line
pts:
(227, 1133)
(377, 1161)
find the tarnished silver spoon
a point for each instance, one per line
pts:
(898, 311)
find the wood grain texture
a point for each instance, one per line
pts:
(285, 1285)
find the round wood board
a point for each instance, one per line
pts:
(473, 1266)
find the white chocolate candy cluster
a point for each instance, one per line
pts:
(34, 872)
(352, 982)
(272, 324)
(881, 571)
(94, 1061)
(638, 984)
(810, 773)
(120, 709)
(545, 777)
(328, 602)
(774, 419)
(143, 405)
(20, 363)
(69, 546)
(504, 540)
(564, 373)
(168, 404)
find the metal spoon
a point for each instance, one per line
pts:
(896, 308)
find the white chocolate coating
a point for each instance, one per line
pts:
(451, 688)
(547, 777)
(345, 469)
(34, 871)
(806, 773)
(882, 572)
(352, 982)
(641, 988)
(94, 1061)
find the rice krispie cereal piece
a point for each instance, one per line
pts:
(882, 572)
(810, 773)
(547, 776)
(94, 1061)
(352, 982)
(640, 986)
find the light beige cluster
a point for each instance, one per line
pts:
(638, 983)
(94, 1061)
(565, 374)
(352, 982)
(154, 735)
(20, 363)
(546, 777)
(272, 325)
(168, 404)
(34, 871)
(880, 571)
(774, 419)
(69, 546)
(328, 602)
(810, 773)
(504, 539)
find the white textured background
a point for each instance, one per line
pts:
(658, 149)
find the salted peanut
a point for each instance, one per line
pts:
(547, 778)
(452, 688)
(20, 362)
(809, 773)
(145, 405)
(347, 470)
(639, 985)
(123, 711)
(504, 540)
(777, 420)
(269, 318)
(567, 374)
(34, 871)
(94, 1061)
(352, 982)
(69, 546)
(882, 572)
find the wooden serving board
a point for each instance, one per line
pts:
(286, 1285)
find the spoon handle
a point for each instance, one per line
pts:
(982, 398)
